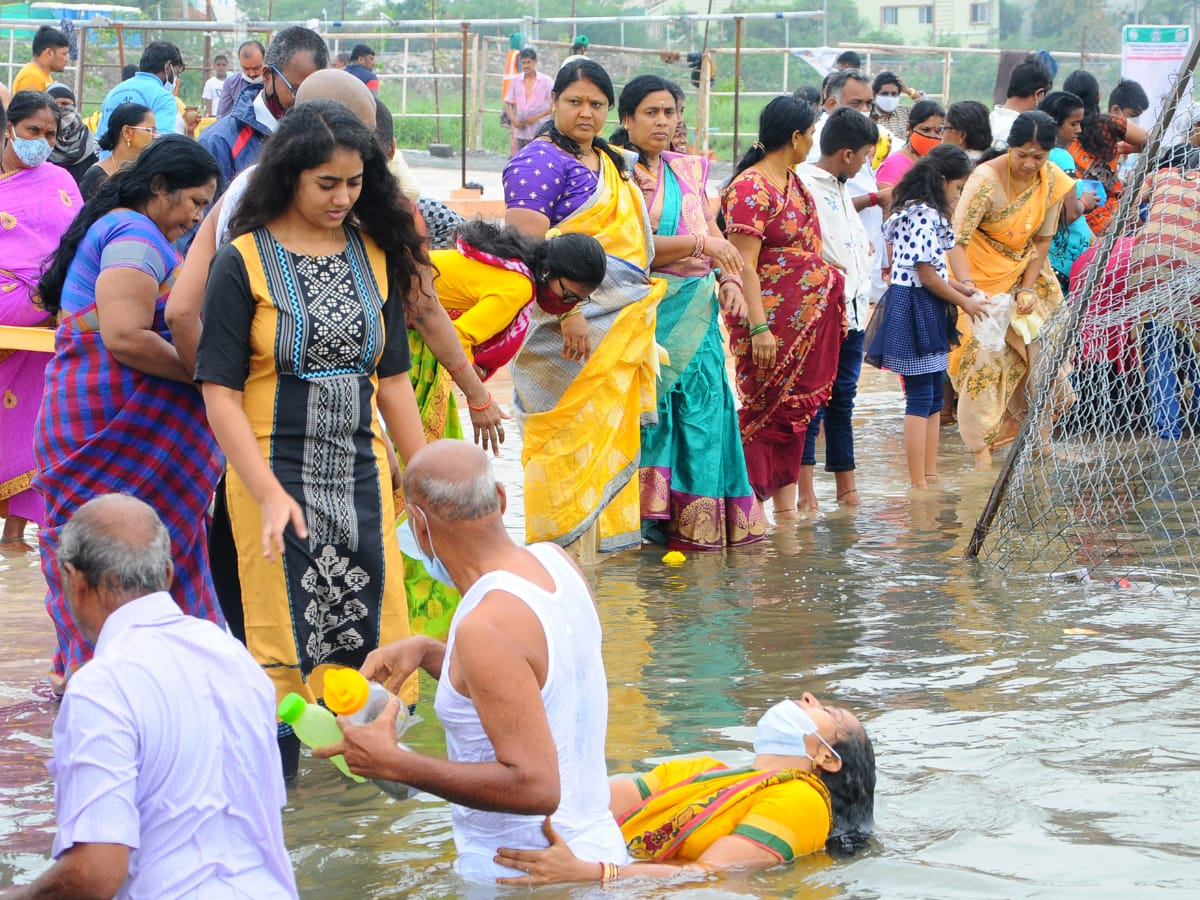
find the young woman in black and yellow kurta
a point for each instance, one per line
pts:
(304, 339)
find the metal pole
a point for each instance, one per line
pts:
(433, 67)
(79, 66)
(705, 102)
(463, 118)
(737, 81)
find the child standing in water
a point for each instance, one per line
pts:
(917, 328)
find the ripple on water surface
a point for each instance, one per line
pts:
(1035, 739)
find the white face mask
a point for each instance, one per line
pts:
(782, 729)
(887, 103)
(257, 79)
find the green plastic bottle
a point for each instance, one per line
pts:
(315, 726)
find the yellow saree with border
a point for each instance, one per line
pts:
(581, 422)
(688, 804)
(998, 236)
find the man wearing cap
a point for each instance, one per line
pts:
(578, 51)
(166, 772)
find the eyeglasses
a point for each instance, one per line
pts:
(930, 130)
(149, 129)
(284, 77)
(568, 295)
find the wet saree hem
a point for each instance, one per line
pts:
(684, 521)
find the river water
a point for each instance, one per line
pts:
(1035, 739)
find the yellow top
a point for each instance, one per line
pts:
(688, 804)
(491, 296)
(32, 77)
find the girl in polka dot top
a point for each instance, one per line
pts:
(920, 308)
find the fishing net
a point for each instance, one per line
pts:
(1107, 484)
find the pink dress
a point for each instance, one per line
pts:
(36, 207)
(893, 169)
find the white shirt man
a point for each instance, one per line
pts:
(167, 778)
(844, 239)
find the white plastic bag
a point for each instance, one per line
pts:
(990, 330)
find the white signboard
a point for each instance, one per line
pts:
(1151, 55)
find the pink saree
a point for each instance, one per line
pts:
(36, 207)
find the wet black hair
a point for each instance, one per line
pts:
(172, 163)
(852, 787)
(125, 114)
(1028, 78)
(922, 110)
(307, 137)
(25, 103)
(1128, 94)
(847, 129)
(527, 53)
(579, 257)
(926, 181)
(971, 118)
(360, 51)
(584, 70)
(1083, 84)
(778, 121)
(1060, 104)
(1033, 125)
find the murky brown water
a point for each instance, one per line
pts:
(1015, 760)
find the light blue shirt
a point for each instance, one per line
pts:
(147, 90)
(165, 743)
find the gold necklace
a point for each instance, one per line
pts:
(289, 242)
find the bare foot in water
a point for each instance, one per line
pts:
(807, 504)
(848, 498)
(983, 460)
(787, 515)
(15, 545)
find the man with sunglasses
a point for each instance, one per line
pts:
(236, 141)
(153, 86)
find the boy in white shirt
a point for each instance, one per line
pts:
(212, 88)
(847, 141)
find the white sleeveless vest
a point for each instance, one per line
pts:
(576, 699)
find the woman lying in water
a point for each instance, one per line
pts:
(811, 785)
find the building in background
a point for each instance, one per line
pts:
(971, 23)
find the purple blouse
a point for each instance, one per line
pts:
(545, 179)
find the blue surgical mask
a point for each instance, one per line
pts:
(782, 729)
(410, 547)
(32, 151)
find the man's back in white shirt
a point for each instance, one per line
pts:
(165, 743)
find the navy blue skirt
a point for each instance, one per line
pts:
(912, 323)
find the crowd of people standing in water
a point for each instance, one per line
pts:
(294, 361)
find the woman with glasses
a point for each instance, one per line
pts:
(130, 130)
(809, 787)
(926, 122)
(490, 282)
